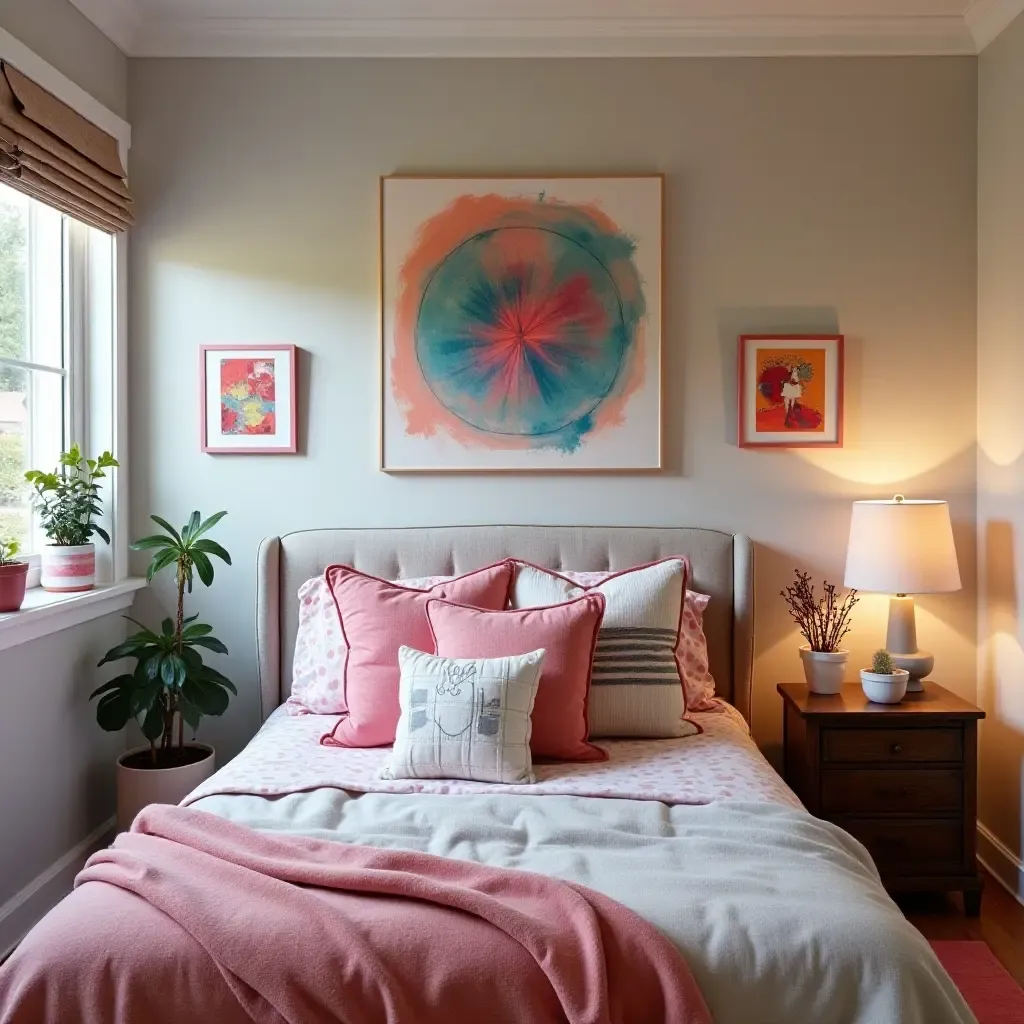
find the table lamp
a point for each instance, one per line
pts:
(902, 547)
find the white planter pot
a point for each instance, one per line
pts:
(140, 787)
(824, 670)
(70, 568)
(880, 688)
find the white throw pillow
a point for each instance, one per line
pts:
(636, 687)
(464, 718)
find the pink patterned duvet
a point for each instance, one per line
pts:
(722, 763)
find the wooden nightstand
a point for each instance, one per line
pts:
(901, 778)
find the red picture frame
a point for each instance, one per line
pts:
(790, 390)
(248, 399)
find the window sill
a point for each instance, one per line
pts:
(44, 613)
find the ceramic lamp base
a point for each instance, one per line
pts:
(901, 643)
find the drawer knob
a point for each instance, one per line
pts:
(897, 748)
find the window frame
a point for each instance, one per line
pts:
(98, 413)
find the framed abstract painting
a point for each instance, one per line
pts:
(248, 399)
(521, 324)
(790, 391)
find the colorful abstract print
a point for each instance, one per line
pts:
(247, 398)
(519, 324)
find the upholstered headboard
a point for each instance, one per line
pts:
(722, 564)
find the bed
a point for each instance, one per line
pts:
(780, 916)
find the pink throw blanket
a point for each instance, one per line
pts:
(190, 916)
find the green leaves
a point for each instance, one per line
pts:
(170, 678)
(186, 549)
(67, 499)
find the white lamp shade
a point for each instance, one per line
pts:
(901, 547)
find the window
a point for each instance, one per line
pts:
(44, 322)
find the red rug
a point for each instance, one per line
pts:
(984, 983)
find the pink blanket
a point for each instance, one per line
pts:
(191, 917)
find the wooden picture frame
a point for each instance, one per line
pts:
(790, 390)
(427, 220)
(248, 399)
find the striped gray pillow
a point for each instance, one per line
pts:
(636, 685)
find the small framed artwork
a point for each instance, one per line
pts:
(521, 324)
(790, 391)
(248, 399)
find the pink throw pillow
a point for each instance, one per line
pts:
(691, 650)
(567, 633)
(318, 667)
(376, 619)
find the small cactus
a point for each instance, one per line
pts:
(881, 663)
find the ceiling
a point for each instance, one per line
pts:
(580, 28)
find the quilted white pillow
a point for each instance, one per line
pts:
(636, 686)
(691, 651)
(464, 718)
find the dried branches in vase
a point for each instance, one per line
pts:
(823, 623)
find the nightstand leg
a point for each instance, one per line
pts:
(972, 902)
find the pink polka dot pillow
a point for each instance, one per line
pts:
(691, 650)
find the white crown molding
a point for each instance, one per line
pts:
(118, 20)
(987, 18)
(551, 37)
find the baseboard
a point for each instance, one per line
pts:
(45, 891)
(1002, 863)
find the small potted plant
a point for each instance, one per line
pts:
(13, 575)
(823, 623)
(170, 687)
(67, 501)
(884, 683)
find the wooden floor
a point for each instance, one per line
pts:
(1001, 924)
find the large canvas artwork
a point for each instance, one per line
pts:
(521, 324)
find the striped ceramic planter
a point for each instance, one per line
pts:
(68, 569)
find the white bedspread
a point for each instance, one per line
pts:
(781, 916)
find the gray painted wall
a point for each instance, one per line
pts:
(56, 765)
(1001, 436)
(59, 33)
(803, 195)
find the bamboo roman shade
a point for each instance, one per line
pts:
(51, 152)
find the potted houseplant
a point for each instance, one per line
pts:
(67, 501)
(884, 683)
(13, 575)
(170, 687)
(823, 624)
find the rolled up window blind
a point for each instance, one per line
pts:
(51, 152)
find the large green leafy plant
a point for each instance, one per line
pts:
(170, 686)
(68, 498)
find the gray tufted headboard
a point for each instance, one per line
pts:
(722, 564)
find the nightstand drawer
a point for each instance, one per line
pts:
(910, 847)
(880, 791)
(892, 745)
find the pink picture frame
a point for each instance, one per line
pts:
(248, 399)
(790, 390)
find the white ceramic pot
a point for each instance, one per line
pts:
(881, 688)
(824, 670)
(140, 787)
(69, 568)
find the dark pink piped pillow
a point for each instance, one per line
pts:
(378, 617)
(566, 632)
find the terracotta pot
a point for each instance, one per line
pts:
(140, 787)
(12, 585)
(824, 670)
(69, 568)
